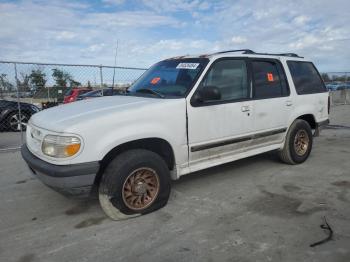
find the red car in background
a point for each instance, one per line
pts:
(73, 93)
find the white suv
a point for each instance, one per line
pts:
(182, 115)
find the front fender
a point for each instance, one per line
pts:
(167, 123)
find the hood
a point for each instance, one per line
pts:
(63, 118)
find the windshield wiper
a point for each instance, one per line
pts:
(146, 90)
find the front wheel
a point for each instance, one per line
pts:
(298, 143)
(136, 182)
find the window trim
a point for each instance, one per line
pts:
(270, 60)
(318, 73)
(211, 103)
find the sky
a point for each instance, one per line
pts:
(86, 32)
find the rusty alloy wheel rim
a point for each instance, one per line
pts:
(301, 142)
(140, 188)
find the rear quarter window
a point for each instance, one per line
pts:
(306, 78)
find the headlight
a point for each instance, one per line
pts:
(60, 146)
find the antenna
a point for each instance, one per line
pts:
(115, 64)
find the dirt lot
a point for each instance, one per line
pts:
(256, 209)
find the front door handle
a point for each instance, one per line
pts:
(245, 108)
(289, 103)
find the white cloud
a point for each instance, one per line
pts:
(301, 20)
(113, 2)
(316, 29)
(238, 40)
(65, 35)
(79, 32)
(176, 5)
(135, 19)
(96, 47)
(35, 31)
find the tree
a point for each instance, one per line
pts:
(325, 77)
(5, 84)
(340, 78)
(23, 82)
(63, 78)
(73, 83)
(38, 79)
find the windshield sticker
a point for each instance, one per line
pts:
(270, 77)
(187, 66)
(155, 80)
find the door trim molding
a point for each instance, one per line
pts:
(237, 140)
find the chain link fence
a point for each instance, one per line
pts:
(338, 83)
(26, 88)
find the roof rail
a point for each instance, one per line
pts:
(280, 54)
(249, 51)
(245, 51)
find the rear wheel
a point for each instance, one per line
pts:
(298, 143)
(136, 182)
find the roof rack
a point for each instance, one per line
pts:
(245, 51)
(249, 51)
(280, 54)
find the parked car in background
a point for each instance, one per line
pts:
(72, 94)
(331, 87)
(48, 104)
(98, 93)
(338, 86)
(11, 119)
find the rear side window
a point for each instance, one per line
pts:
(306, 78)
(268, 79)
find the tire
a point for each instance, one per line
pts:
(135, 174)
(13, 123)
(298, 143)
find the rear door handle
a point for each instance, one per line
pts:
(289, 103)
(245, 108)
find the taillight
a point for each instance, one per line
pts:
(329, 104)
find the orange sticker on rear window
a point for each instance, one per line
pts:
(270, 77)
(155, 80)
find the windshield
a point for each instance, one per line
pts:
(69, 92)
(95, 93)
(170, 78)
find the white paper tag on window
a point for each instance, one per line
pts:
(187, 66)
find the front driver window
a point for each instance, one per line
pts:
(229, 76)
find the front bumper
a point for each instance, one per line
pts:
(71, 180)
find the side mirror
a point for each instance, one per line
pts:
(207, 93)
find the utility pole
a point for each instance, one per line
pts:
(115, 64)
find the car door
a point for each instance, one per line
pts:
(271, 102)
(219, 125)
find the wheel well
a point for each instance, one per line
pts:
(310, 119)
(156, 145)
